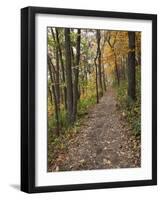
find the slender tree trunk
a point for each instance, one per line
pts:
(72, 57)
(116, 71)
(116, 66)
(131, 66)
(68, 75)
(50, 95)
(54, 95)
(62, 68)
(104, 78)
(76, 76)
(96, 72)
(126, 67)
(103, 67)
(99, 62)
(57, 86)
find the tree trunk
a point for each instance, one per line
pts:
(50, 95)
(104, 78)
(68, 75)
(113, 50)
(57, 86)
(54, 95)
(76, 76)
(62, 67)
(131, 66)
(99, 62)
(95, 62)
(116, 71)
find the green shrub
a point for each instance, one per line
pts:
(84, 104)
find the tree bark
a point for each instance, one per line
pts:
(116, 70)
(68, 75)
(57, 80)
(99, 62)
(131, 66)
(96, 72)
(62, 67)
(76, 76)
(50, 66)
(113, 50)
(57, 86)
(50, 95)
(104, 78)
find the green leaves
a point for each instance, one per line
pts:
(85, 103)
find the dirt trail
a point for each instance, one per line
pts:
(104, 140)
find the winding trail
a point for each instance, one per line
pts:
(104, 140)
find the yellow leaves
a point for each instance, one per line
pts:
(111, 68)
(115, 49)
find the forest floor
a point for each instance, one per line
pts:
(104, 141)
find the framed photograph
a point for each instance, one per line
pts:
(88, 99)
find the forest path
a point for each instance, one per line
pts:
(104, 140)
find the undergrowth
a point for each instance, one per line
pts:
(131, 110)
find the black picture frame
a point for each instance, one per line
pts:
(28, 98)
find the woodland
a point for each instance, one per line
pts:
(94, 99)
